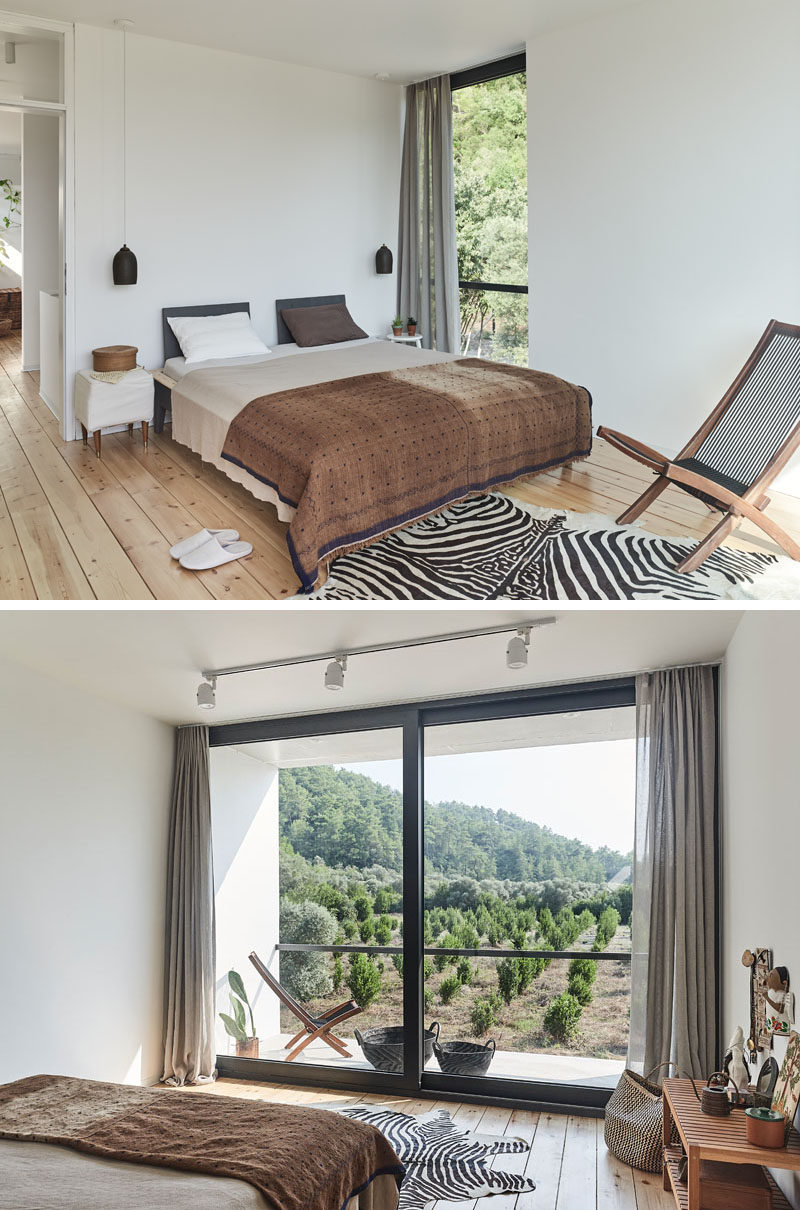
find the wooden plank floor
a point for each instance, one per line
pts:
(568, 1159)
(74, 527)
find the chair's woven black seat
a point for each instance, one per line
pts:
(700, 468)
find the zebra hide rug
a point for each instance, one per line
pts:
(491, 548)
(444, 1162)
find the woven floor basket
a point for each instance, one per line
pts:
(634, 1123)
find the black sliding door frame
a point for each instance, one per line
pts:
(413, 719)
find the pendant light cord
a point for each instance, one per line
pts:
(125, 135)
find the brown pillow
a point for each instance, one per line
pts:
(321, 325)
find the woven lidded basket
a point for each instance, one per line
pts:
(635, 1122)
(114, 357)
(383, 1047)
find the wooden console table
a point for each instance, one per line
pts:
(709, 1138)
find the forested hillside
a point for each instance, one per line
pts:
(347, 819)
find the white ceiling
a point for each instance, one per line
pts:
(150, 659)
(409, 39)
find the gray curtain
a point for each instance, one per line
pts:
(189, 988)
(427, 278)
(673, 1003)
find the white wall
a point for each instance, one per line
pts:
(247, 179)
(760, 816)
(83, 821)
(40, 234)
(245, 827)
(663, 204)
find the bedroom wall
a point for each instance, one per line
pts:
(760, 812)
(663, 206)
(83, 820)
(247, 179)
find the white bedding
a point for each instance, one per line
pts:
(40, 1176)
(205, 400)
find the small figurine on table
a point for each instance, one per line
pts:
(780, 1002)
(735, 1064)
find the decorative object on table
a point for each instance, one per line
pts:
(102, 404)
(443, 1161)
(397, 326)
(714, 1098)
(734, 1062)
(765, 1084)
(411, 326)
(465, 1058)
(764, 1127)
(633, 1128)
(759, 962)
(787, 1089)
(124, 268)
(383, 1046)
(383, 260)
(725, 1186)
(236, 1025)
(114, 358)
(493, 547)
(780, 1003)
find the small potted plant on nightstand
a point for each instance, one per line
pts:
(236, 1026)
(397, 326)
(411, 326)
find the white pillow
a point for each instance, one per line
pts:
(215, 337)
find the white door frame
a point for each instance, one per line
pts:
(20, 23)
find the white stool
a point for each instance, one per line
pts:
(99, 405)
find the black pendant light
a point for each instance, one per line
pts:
(124, 267)
(383, 260)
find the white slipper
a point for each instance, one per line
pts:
(213, 554)
(224, 536)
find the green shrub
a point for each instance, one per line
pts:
(338, 972)
(465, 971)
(508, 979)
(364, 980)
(427, 968)
(397, 960)
(449, 988)
(349, 929)
(606, 928)
(366, 930)
(383, 931)
(363, 906)
(306, 976)
(580, 989)
(427, 998)
(562, 1017)
(383, 901)
(585, 967)
(483, 1014)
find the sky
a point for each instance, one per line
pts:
(586, 791)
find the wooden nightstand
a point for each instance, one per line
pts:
(163, 398)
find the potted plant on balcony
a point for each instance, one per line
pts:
(397, 326)
(236, 1026)
(411, 326)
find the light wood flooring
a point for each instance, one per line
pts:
(568, 1159)
(75, 527)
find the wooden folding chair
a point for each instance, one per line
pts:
(314, 1028)
(737, 452)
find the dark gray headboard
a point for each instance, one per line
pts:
(171, 346)
(289, 304)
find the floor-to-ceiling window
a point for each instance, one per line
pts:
(465, 863)
(491, 194)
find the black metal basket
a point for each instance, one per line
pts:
(465, 1058)
(383, 1046)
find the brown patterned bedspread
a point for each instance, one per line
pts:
(300, 1159)
(362, 456)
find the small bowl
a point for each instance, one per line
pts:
(765, 1128)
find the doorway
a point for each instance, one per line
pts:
(32, 208)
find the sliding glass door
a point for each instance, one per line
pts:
(464, 863)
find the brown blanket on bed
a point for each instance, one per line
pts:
(300, 1159)
(361, 456)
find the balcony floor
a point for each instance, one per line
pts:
(566, 1069)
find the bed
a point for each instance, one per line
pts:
(69, 1144)
(352, 440)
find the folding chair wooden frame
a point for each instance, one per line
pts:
(314, 1028)
(767, 390)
